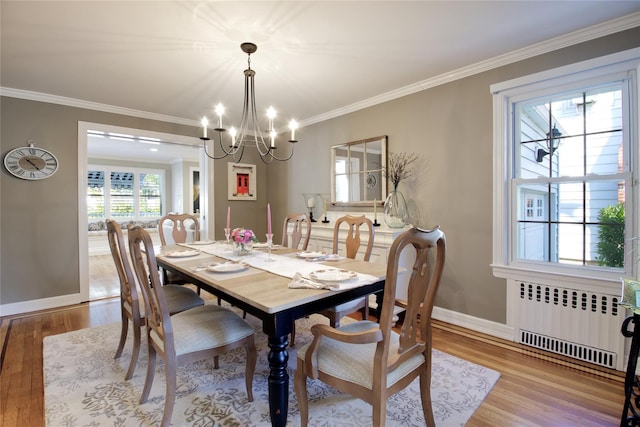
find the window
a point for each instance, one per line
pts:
(131, 194)
(567, 143)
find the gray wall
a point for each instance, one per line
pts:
(449, 126)
(38, 219)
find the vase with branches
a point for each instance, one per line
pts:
(395, 206)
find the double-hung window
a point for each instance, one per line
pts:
(124, 193)
(566, 150)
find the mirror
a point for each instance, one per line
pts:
(356, 172)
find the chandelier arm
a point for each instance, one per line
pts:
(212, 156)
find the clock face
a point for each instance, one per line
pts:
(31, 163)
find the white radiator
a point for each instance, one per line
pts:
(580, 324)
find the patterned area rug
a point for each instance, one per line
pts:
(84, 386)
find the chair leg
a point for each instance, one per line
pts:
(151, 369)
(380, 413)
(170, 398)
(425, 393)
(135, 351)
(365, 310)
(300, 385)
(252, 358)
(123, 336)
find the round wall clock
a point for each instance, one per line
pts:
(30, 162)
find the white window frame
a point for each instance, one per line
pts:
(504, 95)
(108, 169)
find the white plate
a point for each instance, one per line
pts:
(181, 254)
(310, 254)
(202, 242)
(333, 257)
(333, 275)
(260, 245)
(227, 267)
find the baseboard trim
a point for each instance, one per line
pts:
(39, 304)
(477, 324)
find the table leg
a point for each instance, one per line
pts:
(278, 380)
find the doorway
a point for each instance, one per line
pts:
(132, 147)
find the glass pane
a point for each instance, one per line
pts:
(95, 194)
(122, 200)
(150, 197)
(570, 244)
(574, 134)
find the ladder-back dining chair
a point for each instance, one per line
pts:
(370, 360)
(199, 333)
(132, 306)
(301, 227)
(352, 246)
(181, 225)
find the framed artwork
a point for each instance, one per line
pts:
(241, 181)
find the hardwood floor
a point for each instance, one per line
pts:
(535, 388)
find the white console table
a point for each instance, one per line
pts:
(322, 240)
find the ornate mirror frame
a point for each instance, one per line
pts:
(356, 172)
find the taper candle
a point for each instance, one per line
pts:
(228, 216)
(269, 218)
(375, 209)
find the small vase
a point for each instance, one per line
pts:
(241, 249)
(395, 210)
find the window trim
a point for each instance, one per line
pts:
(504, 94)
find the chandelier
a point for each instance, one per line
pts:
(248, 133)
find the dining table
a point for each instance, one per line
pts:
(261, 284)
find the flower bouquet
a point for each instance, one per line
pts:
(243, 240)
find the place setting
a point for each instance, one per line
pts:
(333, 279)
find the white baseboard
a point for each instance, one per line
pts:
(39, 304)
(484, 326)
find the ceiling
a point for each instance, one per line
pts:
(174, 60)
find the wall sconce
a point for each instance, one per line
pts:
(553, 141)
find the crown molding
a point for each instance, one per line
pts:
(570, 39)
(88, 105)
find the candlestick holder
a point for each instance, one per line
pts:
(376, 223)
(325, 220)
(227, 234)
(310, 201)
(269, 245)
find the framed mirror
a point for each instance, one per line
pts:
(356, 172)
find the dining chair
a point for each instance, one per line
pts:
(195, 334)
(180, 225)
(301, 227)
(352, 246)
(132, 307)
(370, 360)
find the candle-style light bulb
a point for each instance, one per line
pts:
(293, 125)
(205, 123)
(220, 113)
(271, 114)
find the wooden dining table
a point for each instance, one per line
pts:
(267, 296)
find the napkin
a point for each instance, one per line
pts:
(301, 282)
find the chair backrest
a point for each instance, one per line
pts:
(180, 223)
(424, 280)
(300, 222)
(129, 297)
(146, 271)
(353, 235)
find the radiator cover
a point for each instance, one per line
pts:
(580, 324)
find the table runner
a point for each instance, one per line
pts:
(282, 265)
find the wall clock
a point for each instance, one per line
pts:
(31, 163)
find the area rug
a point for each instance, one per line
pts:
(85, 386)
